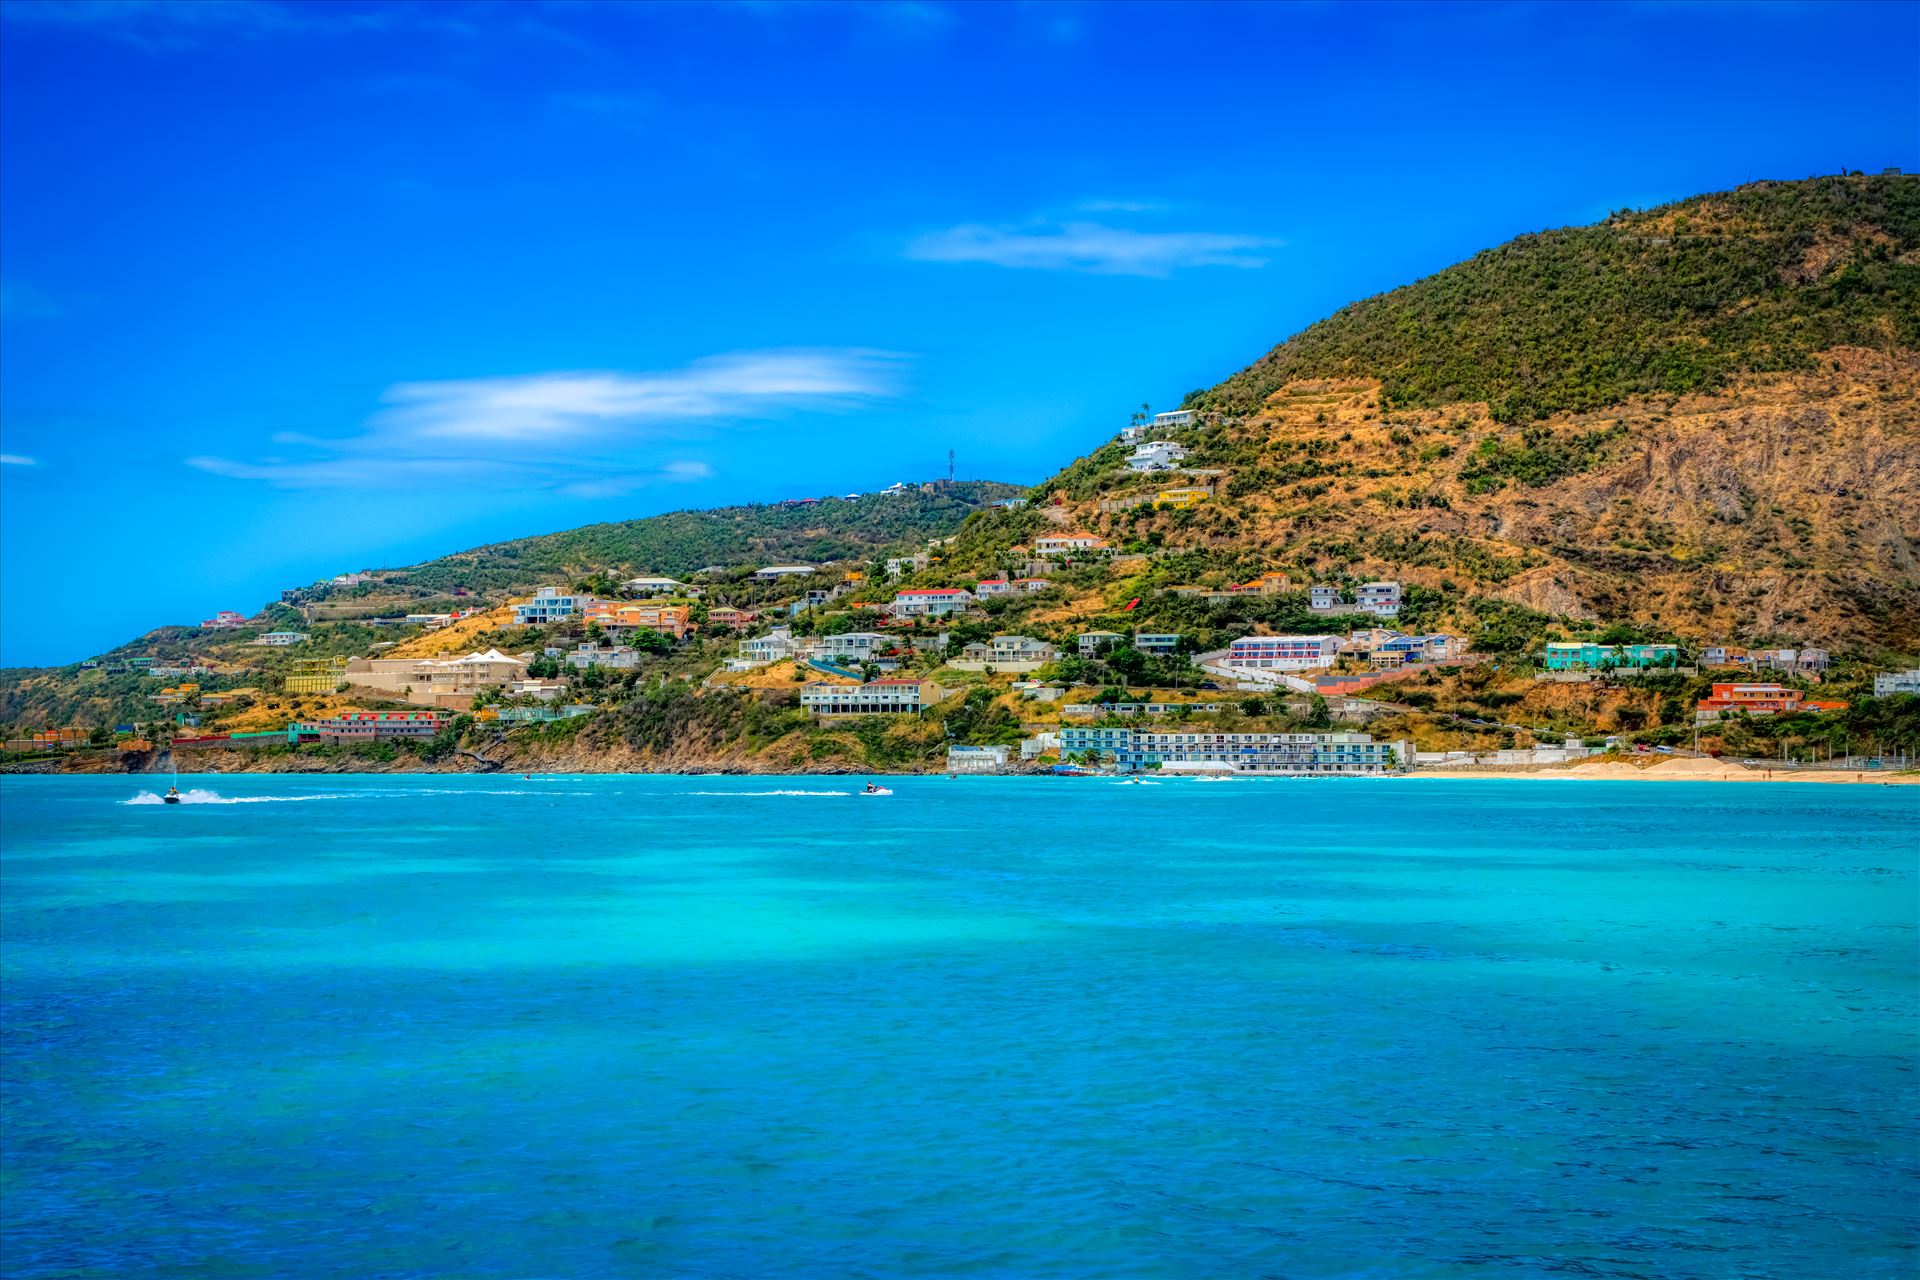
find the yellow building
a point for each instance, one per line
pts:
(316, 675)
(1188, 496)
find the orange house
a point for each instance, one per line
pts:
(1759, 700)
(669, 619)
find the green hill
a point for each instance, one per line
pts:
(1657, 302)
(680, 542)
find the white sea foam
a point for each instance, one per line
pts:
(766, 793)
(199, 796)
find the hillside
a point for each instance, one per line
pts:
(1703, 419)
(680, 542)
(1665, 301)
(1695, 424)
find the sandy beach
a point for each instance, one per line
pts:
(1682, 769)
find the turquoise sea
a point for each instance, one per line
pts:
(748, 1027)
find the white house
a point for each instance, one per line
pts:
(281, 639)
(614, 658)
(1156, 455)
(548, 605)
(876, 697)
(1093, 643)
(1066, 544)
(1381, 599)
(655, 587)
(858, 645)
(1283, 653)
(1888, 683)
(931, 602)
(898, 565)
(775, 646)
(976, 759)
(775, 572)
(1174, 418)
(1325, 598)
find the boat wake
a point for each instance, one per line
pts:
(766, 793)
(199, 796)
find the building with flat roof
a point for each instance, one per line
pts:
(1757, 700)
(876, 697)
(1132, 750)
(549, 604)
(1282, 653)
(1888, 683)
(369, 726)
(1585, 655)
(977, 759)
(931, 602)
(1381, 599)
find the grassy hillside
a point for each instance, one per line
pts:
(1699, 423)
(1702, 420)
(682, 541)
(1664, 301)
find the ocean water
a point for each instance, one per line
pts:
(731, 1027)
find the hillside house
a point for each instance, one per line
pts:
(549, 605)
(1068, 544)
(369, 726)
(1267, 584)
(877, 697)
(1173, 418)
(656, 586)
(1282, 653)
(282, 639)
(1160, 642)
(646, 615)
(775, 646)
(857, 646)
(1381, 599)
(775, 572)
(1888, 683)
(1094, 643)
(1156, 455)
(1183, 497)
(730, 618)
(1325, 599)
(316, 675)
(608, 657)
(931, 602)
(225, 620)
(1585, 655)
(1757, 700)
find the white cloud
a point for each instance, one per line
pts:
(22, 301)
(17, 460)
(1090, 247)
(590, 434)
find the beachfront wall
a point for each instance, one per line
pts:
(1132, 750)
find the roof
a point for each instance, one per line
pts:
(933, 591)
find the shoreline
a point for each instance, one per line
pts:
(1682, 769)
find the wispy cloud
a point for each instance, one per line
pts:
(588, 434)
(17, 460)
(172, 25)
(1092, 247)
(22, 301)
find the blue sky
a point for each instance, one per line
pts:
(294, 289)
